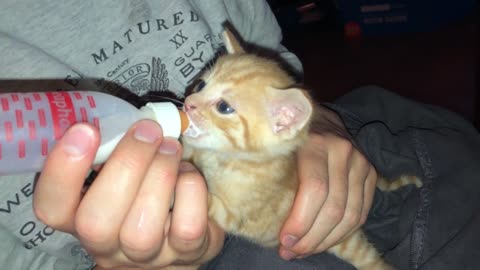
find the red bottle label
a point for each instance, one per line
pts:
(63, 112)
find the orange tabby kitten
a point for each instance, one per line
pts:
(246, 126)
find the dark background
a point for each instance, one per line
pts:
(434, 62)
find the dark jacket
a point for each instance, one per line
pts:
(435, 227)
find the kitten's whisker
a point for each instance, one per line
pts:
(178, 102)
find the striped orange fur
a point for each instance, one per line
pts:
(247, 123)
(404, 180)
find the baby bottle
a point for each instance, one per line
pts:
(31, 123)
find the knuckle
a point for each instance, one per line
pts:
(318, 137)
(189, 240)
(334, 212)
(297, 222)
(363, 162)
(295, 225)
(344, 145)
(93, 232)
(363, 219)
(303, 248)
(130, 158)
(43, 216)
(352, 217)
(128, 162)
(318, 185)
(139, 247)
(55, 221)
(164, 175)
(190, 233)
(324, 245)
(189, 247)
(138, 256)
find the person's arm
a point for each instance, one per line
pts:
(256, 24)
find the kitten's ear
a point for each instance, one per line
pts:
(231, 42)
(289, 111)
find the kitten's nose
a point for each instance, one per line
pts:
(189, 106)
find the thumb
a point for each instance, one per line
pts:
(58, 189)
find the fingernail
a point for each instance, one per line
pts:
(77, 140)
(186, 167)
(289, 240)
(169, 146)
(147, 131)
(287, 254)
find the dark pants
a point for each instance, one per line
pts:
(435, 227)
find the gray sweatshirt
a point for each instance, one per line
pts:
(108, 45)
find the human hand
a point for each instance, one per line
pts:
(336, 188)
(123, 219)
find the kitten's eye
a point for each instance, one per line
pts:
(224, 108)
(200, 85)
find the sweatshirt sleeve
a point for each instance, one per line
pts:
(256, 23)
(15, 256)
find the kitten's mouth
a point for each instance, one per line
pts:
(192, 131)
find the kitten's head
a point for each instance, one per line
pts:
(246, 103)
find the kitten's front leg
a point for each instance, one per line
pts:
(222, 215)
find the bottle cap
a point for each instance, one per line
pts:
(168, 116)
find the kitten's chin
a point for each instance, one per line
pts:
(200, 141)
(192, 132)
